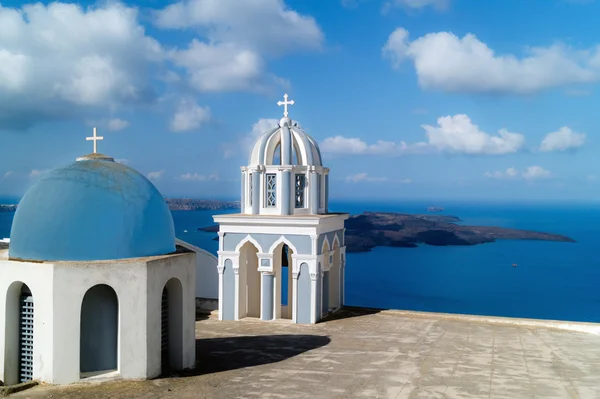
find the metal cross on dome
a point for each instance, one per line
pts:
(95, 139)
(285, 104)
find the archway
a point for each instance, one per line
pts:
(282, 268)
(171, 333)
(99, 331)
(249, 278)
(19, 331)
(303, 315)
(335, 277)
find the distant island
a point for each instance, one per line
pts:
(175, 204)
(188, 204)
(8, 207)
(373, 229)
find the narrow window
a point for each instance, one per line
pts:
(26, 335)
(271, 190)
(299, 190)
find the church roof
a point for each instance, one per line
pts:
(286, 140)
(93, 209)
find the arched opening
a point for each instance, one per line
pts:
(171, 333)
(282, 268)
(296, 157)
(99, 331)
(249, 278)
(304, 295)
(335, 277)
(277, 155)
(19, 332)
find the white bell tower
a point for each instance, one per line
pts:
(283, 255)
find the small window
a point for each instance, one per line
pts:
(299, 190)
(271, 190)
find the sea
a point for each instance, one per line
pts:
(552, 280)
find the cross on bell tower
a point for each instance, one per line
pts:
(95, 139)
(285, 104)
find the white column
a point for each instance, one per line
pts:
(236, 270)
(295, 273)
(243, 191)
(221, 269)
(314, 278)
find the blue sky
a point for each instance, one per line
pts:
(409, 99)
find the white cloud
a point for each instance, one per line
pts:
(8, 174)
(236, 38)
(156, 175)
(268, 26)
(58, 59)
(245, 142)
(197, 177)
(592, 178)
(124, 161)
(562, 140)
(223, 67)
(509, 173)
(353, 145)
(531, 173)
(417, 4)
(364, 177)
(453, 134)
(447, 62)
(116, 124)
(189, 116)
(536, 172)
(458, 134)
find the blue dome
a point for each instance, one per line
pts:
(93, 209)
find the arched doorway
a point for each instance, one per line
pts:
(249, 278)
(99, 331)
(282, 268)
(171, 321)
(19, 332)
(335, 278)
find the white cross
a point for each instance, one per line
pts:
(95, 139)
(285, 104)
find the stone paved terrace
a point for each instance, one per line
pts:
(370, 354)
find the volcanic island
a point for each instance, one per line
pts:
(373, 229)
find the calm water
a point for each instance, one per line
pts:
(552, 280)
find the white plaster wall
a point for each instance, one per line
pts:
(207, 275)
(39, 279)
(160, 271)
(71, 281)
(58, 290)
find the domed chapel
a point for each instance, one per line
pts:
(283, 256)
(93, 284)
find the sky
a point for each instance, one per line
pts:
(408, 99)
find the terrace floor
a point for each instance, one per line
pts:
(372, 354)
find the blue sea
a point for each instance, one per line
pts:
(553, 280)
